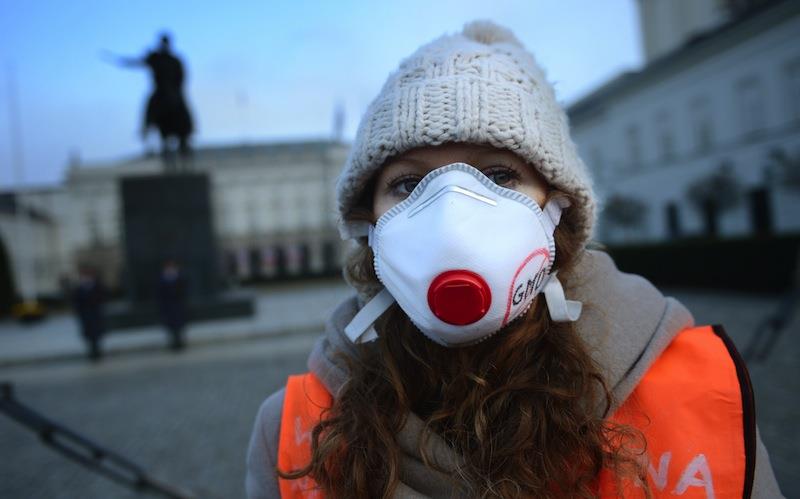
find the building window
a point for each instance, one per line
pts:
(634, 141)
(791, 76)
(251, 210)
(761, 211)
(750, 97)
(666, 139)
(673, 217)
(702, 124)
(94, 228)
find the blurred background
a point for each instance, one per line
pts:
(166, 187)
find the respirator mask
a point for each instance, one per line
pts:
(463, 257)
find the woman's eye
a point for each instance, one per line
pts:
(403, 186)
(502, 176)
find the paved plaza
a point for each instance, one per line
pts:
(280, 309)
(187, 417)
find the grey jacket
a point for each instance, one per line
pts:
(626, 322)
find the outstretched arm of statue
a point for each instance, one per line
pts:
(120, 60)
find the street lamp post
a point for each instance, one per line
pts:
(25, 284)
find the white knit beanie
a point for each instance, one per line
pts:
(479, 86)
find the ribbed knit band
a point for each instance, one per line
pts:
(479, 86)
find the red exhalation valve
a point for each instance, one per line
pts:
(459, 297)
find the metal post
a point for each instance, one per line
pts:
(26, 286)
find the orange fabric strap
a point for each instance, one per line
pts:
(304, 404)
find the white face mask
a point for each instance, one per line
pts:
(463, 257)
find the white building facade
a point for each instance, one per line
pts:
(666, 24)
(726, 103)
(30, 238)
(273, 205)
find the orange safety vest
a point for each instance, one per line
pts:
(694, 406)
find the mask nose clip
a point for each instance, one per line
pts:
(459, 297)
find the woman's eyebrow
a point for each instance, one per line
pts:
(412, 162)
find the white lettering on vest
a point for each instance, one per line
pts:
(696, 474)
(660, 477)
(300, 436)
(306, 488)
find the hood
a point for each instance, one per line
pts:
(626, 324)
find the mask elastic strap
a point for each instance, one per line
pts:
(370, 234)
(361, 327)
(561, 309)
(552, 212)
(354, 229)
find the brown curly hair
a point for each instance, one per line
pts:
(524, 410)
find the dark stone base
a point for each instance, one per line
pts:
(223, 306)
(168, 217)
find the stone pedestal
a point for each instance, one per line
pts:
(168, 217)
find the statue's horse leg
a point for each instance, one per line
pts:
(167, 152)
(184, 152)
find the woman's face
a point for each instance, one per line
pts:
(400, 175)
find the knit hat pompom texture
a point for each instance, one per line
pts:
(479, 86)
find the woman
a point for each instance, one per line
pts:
(461, 369)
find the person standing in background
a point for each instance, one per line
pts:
(88, 298)
(172, 302)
